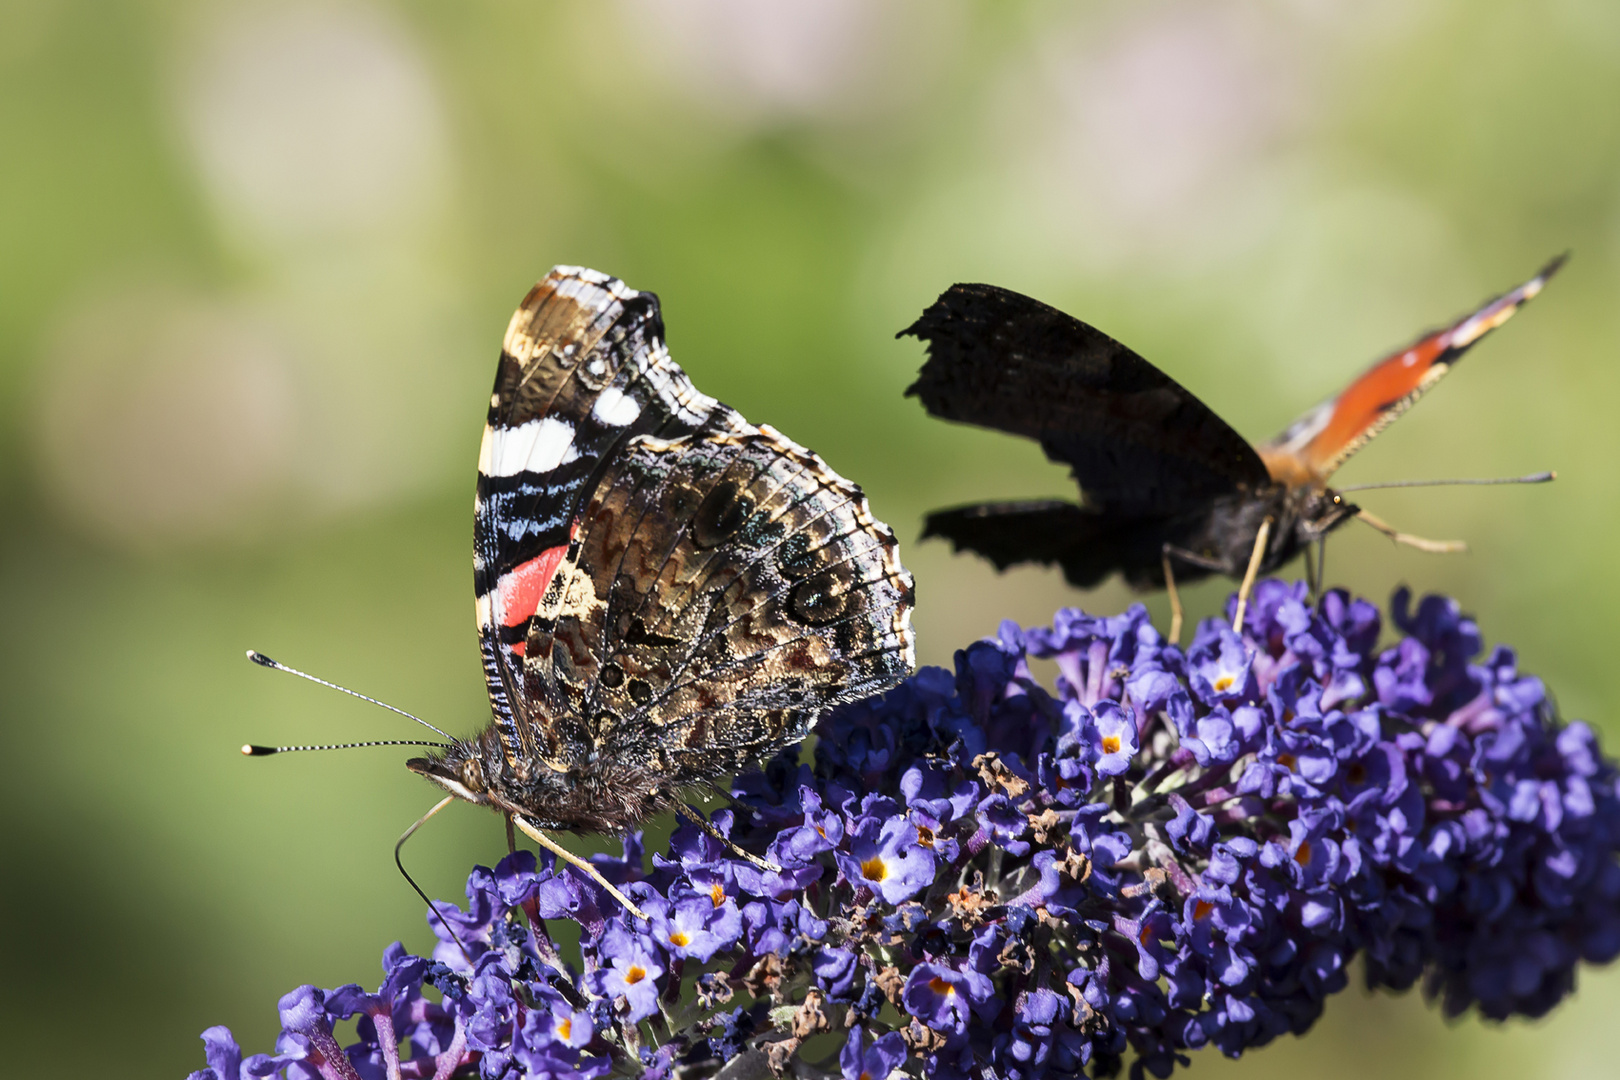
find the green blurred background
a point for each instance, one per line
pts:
(256, 260)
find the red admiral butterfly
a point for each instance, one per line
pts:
(1163, 478)
(666, 593)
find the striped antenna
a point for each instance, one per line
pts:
(254, 750)
(264, 661)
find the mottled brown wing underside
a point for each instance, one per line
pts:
(723, 590)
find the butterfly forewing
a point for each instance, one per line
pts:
(1313, 447)
(583, 370)
(1137, 441)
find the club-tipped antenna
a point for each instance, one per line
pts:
(255, 750)
(264, 661)
(1532, 478)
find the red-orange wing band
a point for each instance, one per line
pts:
(1316, 444)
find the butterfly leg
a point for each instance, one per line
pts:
(568, 856)
(511, 837)
(1260, 537)
(1192, 558)
(703, 823)
(1175, 597)
(1434, 547)
(1315, 568)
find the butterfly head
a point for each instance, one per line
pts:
(460, 771)
(1323, 510)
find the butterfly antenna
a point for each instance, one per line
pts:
(433, 907)
(255, 750)
(1532, 478)
(264, 661)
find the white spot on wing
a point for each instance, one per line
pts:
(615, 408)
(538, 446)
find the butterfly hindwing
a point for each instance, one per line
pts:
(1047, 531)
(1137, 441)
(722, 591)
(1313, 447)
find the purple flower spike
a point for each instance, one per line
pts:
(1163, 851)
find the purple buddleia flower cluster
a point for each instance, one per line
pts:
(982, 877)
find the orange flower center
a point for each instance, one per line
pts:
(925, 836)
(1111, 744)
(717, 894)
(679, 939)
(1303, 855)
(874, 869)
(1225, 683)
(1286, 761)
(1201, 910)
(634, 975)
(940, 986)
(565, 1030)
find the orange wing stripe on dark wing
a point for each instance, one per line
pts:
(1364, 401)
(1319, 442)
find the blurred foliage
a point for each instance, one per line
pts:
(1259, 196)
